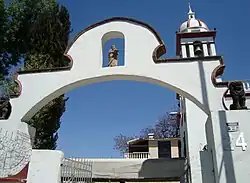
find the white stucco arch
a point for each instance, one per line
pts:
(140, 42)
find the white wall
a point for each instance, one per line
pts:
(230, 165)
(195, 138)
(45, 166)
(137, 168)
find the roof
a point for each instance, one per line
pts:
(137, 140)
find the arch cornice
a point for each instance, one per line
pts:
(117, 19)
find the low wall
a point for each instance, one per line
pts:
(137, 168)
(45, 167)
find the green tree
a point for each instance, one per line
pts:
(41, 30)
(3, 21)
(8, 52)
(4, 62)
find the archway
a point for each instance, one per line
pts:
(86, 67)
(39, 87)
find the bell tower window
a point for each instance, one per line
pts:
(209, 49)
(187, 50)
(198, 49)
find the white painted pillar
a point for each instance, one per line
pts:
(191, 50)
(213, 49)
(183, 51)
(205, 49)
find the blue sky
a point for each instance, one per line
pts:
(98, 112)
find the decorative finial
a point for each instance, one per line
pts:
(190, 9)
(191, 14)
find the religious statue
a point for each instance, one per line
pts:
(237, 92)
(113, 56)
(5, 108)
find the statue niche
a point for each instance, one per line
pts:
(5, 108)
(113, 56)
(237, 93)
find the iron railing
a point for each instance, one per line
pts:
(137, 155)
(74, 171)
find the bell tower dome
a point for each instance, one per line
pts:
(193, 24)
(194, 39)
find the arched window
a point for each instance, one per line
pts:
(112, 43)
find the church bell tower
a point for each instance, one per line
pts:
(194, 38)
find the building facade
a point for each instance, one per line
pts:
(153, 148)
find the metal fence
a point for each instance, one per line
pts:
(76, 171)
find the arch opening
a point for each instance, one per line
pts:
(104, 78)
(105, 110)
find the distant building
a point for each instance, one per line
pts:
(153, 148)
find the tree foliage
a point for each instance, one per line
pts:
(40, 31)
(4, 58)
(121, 142)
(2, 32)
(165, 127)
(8, 53)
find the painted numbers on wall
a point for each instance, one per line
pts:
(238, 142)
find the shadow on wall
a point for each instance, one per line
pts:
(223, 170)
(227, 159)
(161, 168)
(206, 160)
(206, 167)
(203, 83)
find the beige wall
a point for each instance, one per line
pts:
(174, 148)
(153, 148)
